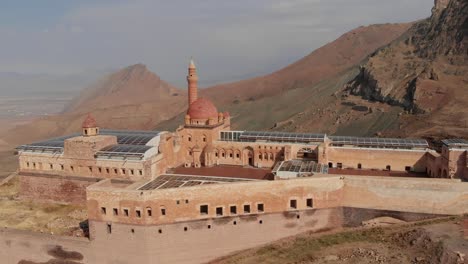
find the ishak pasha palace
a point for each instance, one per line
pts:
(204, 190)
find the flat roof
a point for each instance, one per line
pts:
(168, 181)
(301, 166)
(386, 142)
(130, 143)
(227, 171)
(455, 142)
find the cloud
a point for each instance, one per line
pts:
(229, 39)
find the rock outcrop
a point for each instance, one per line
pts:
(418, 70)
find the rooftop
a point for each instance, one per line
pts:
(178, 181)
(227, 171)
(131, 144)
(456, 142)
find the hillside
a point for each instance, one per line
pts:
(130, 86)
(132, 98)
(306, 86)
(425, 73)
(325, 62)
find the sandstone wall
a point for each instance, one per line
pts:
(373, 158)
(30, 162)
(54, 188)
(432, 196)
(183, 204)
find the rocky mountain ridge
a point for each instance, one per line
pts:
(408, 71)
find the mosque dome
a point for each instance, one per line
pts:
(202, 109)
(89, 122)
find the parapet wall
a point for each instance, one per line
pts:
(430, 196)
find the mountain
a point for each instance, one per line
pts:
(132, 98)
(425, 72)
(302, 88)
(348, 50)
(130, 86)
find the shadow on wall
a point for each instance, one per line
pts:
(60, 256)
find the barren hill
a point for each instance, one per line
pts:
(425, 72)
(348, 50)
(132, 85)
(303, 90)
(132, 98)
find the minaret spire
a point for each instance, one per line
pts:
(192, 80)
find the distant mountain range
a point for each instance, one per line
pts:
(390, 79)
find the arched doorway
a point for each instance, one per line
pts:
(248, 154)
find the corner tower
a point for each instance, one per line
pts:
(192, 80)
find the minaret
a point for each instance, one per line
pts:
(192, 80)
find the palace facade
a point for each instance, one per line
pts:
(248, 187)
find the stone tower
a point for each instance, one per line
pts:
(89, 126)
(192, 80)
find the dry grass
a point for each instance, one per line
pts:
(37, 216)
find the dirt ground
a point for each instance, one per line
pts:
(61, 219)
(429, 242)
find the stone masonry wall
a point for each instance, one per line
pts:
(54, 188)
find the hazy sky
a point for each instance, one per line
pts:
(228, 39)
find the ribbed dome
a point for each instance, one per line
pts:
(202, 109)
(89, 122)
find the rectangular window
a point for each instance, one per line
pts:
(109, 228)
(27, 164)
(310, 203)
(237, 155)
(260, 208)
(90, 169)
(339, 165)
(293, 204)
(408, 168)
(115, 171)
(103, 210)
(131, 172)
(116, 211)
(149, 212)
(233, 209)
(126, 212)
(138, 213)
(219, 211)
(141, 172)
(61, 167)
(100, 169)
(163, 211)
(123, 171)
(51, 166)
(203, 209)
(71, 168)
(247, 209)
(107, 170)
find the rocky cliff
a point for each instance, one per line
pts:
(423, 69)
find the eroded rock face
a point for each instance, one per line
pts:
(408, 71)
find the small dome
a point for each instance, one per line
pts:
(202, 109)
(89, 122)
